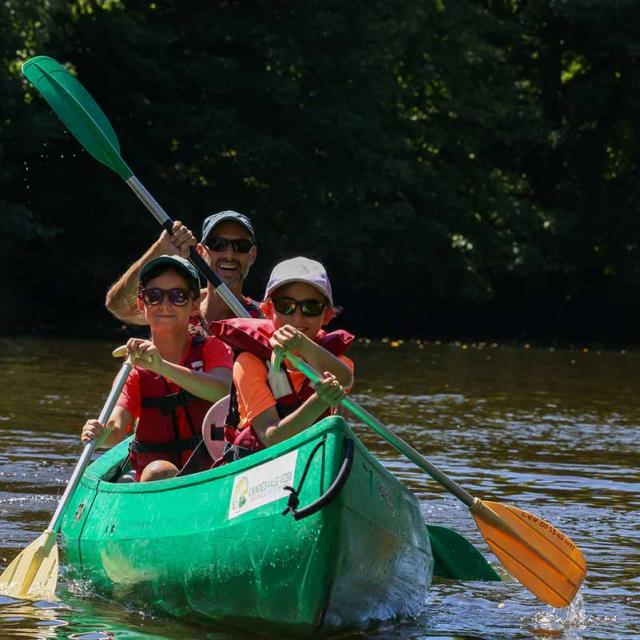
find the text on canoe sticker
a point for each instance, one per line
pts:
(261, 485)
(547, 527)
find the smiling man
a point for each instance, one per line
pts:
(228, 245)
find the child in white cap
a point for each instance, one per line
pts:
(298, 302)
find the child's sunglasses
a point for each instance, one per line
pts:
(153, 296)
(310, 308)
(241, 245)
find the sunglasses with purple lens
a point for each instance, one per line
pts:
(152, 296)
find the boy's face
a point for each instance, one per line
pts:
(166, 315)
(299, 291)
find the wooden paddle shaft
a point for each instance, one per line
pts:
(105, 414)
(167, 223)
(386, 433)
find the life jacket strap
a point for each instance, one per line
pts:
(169, 403)
(278, 381)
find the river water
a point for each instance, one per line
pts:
(556, 432)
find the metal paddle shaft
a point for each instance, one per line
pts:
(82, 116)
(82, 463)
(34, 572)
(208, 273)
(537, 554)
(396, 442)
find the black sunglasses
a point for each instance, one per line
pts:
(153, 296)
(310, 308)
(240, 245)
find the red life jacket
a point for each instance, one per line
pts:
(252, 335)
(252, 307)
(170, 423)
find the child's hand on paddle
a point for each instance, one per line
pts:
(145, 354)
(329, 390)
(288, 337)
(92, 430)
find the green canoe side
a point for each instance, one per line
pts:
(216, 547)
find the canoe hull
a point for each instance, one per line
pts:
(216, 547)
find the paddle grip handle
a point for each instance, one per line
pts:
(386, 433)
(105, 414)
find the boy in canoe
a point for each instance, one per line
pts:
(176, 378)
(273, 406)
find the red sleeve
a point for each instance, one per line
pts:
(216, 353)
(130, 396)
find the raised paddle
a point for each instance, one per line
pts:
(34, 572)
(82, 116)
(540, 556)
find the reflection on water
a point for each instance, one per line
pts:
(555, 432)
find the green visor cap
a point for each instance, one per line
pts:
(177, 263)
(226, 216)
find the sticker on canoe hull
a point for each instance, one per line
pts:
(262, 485)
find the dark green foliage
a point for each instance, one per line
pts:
(461, 167)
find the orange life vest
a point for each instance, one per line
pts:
(252, 335)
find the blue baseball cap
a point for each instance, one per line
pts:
(226, 216)
(177, 263)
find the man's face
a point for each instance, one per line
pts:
(230, 265)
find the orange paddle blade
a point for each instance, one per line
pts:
(542, 558)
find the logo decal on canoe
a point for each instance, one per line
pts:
(262, 485)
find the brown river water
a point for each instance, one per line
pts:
(556, 432)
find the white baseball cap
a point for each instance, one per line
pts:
(300, 270)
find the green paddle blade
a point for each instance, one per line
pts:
(456, 558)
(78, 111)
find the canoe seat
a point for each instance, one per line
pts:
(213, 427)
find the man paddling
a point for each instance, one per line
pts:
(229, 247)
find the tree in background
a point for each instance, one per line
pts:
(463, 167)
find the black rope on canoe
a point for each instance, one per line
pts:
(330, 493)
(294, 494)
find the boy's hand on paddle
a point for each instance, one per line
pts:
(145, 354)
(288, 337)
(92, 430)
(179, 242)
(329, 390)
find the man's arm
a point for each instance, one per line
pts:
(121, 297)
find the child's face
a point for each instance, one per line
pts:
(165, 315)
(299, 291)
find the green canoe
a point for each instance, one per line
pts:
(216, 547)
